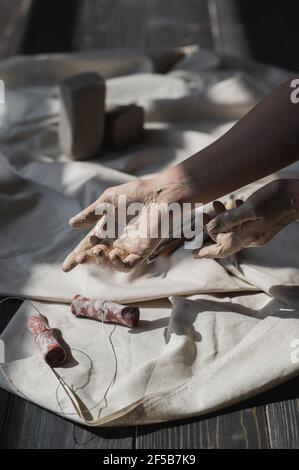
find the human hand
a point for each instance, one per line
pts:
(127, 249)
(253, 222)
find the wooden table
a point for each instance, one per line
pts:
(270, 420)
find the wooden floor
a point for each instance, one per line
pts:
(270, 420)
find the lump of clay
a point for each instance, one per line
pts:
(82, 115)
(105, 311)
(124, 126)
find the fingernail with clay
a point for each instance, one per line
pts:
(69, 263)
(94, 240)
(80, 258)
(213, 226)
(72, 221)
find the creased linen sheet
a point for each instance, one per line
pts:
(188, 356)
(200, 355)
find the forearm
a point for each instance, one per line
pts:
(264, 141)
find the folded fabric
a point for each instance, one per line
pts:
(200, 353)
(183, 360)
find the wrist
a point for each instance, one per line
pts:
(169, 191)
(173, 186)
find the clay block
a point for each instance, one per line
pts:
(82, 115)
(165, 61)
(124, 126)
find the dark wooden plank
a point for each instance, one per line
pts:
(7, 310)
(13, 19)
(29, 427)
(283, 424)
(4, 403)
(150, 24)
(242, 429)
(245, 429)
(268, 420)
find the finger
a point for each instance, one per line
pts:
(122, 261)
(217, 250)
(209, 251)
(91, 214)
(70, 261)
(218, 207)
(117, 257)
(231, 219)
(99, 232)
(227, 244)
(132, 260)
(205, 219)
(230, 204)
(86, 257)
(95, 240)
(97, 255)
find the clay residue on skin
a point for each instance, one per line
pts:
(152, 197)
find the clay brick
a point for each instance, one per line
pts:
(124, 126)
(82, 116)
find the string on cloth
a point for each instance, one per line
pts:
(61, 381)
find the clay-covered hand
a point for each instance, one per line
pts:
(133, 244)
(253, 222)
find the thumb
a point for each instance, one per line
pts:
(229, 220)
(92, 213)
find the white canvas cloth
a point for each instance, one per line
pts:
(228, 331)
